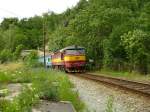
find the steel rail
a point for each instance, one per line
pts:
(137, 87)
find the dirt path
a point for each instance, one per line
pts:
(96, 96)
(47, 106)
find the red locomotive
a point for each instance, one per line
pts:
(70, 59)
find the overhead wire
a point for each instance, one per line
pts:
(10, 12)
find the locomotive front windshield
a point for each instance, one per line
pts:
(75, 51)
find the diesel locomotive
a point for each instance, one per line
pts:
(69, 59)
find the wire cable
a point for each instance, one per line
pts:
(10, 12)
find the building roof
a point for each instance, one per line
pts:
(41, 53)
(45, 56)
(25, 52)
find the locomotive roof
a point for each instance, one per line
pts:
(71, 47)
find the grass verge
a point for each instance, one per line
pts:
(125, 75)
(45, 84)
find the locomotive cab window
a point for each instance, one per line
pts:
(75, 51)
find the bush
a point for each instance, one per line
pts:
(17, 52)
(5, 56)
(32, 59)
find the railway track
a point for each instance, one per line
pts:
(137, 87)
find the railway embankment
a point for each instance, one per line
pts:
(100, 97)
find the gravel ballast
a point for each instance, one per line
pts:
(97, 96)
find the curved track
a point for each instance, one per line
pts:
(125, 84)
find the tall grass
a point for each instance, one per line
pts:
(126, 75)
(45, 84)
(11, 66)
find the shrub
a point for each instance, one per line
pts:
(32, 59)
(5, 56)
(17, 52)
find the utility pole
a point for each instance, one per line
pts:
(44, 42)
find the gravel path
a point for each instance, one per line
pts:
(97, 96)
(47, 106)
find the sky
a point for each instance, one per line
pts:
(29, 8)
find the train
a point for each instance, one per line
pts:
(69, 59)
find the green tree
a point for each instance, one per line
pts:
(136, 44)
(7, 22)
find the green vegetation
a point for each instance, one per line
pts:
(116, 33)
(38, 84)
(3, 91)
(32, 59)
(110, 107)
(5, 56)
(11, 66)
(17, 52)
(125, 75)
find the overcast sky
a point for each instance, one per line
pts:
(29, 8)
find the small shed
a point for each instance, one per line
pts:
(25, 53)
